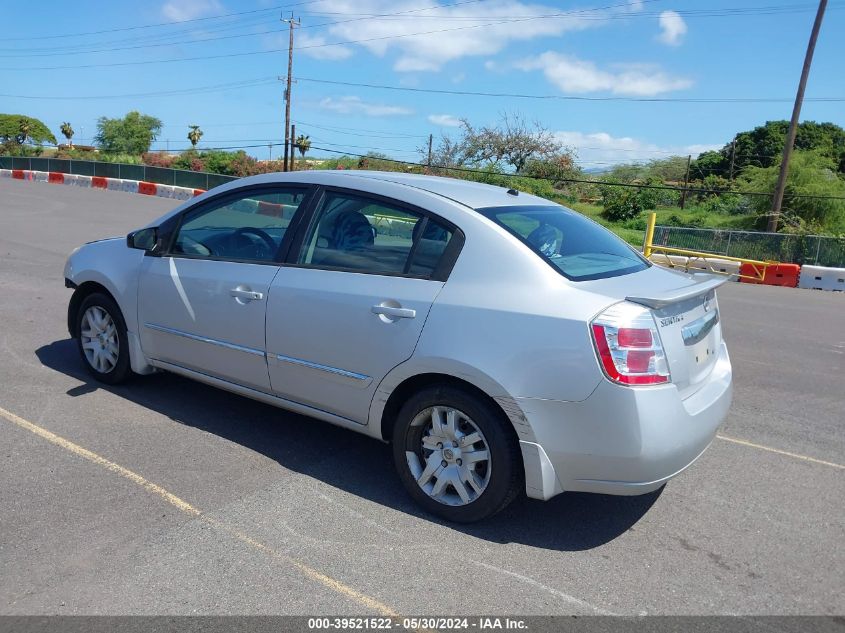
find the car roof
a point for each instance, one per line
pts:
(475, 195)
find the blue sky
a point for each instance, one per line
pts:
(625, 49)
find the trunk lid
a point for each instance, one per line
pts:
(687, 316)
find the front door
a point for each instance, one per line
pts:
(202, 304)
(353, 304)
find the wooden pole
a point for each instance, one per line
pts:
(293, 147)
(291, 22)
(733, 155)
(686, 183)
(777, 200)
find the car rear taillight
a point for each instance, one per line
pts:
(628, 345)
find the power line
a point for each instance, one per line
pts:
(573, 180)
(506, 175)
(162, 93)
(728, 12)
(352, 131)
(511, 95)
(264, 52)
(147, 26)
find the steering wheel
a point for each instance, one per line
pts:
(260, 252)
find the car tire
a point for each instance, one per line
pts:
(434, 463)
(102, 340)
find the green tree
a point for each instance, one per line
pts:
(67, 132)
(19, 129)
(194, 135)
(763, 147)
(810, 174)
(133, 134)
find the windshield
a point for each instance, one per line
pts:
(576, 246)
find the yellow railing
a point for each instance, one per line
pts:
(649, 249)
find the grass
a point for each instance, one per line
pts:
(633, 231)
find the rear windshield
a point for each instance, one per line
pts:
(576, 246)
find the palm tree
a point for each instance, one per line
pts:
(67, 132)
(25, 128)
(194, 135)
(303, 143)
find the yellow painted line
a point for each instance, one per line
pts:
(805, 458)
(182, 505)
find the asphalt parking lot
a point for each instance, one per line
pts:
(164, 496)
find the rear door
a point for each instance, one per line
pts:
(202, 304)
(352, 302)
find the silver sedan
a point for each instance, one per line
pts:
(501, 342)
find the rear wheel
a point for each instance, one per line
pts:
(456, 454)
(102, 339)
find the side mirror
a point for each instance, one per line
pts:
(143, 239)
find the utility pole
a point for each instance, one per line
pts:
(686, 183)
(777, 201)
(291, 23)
(430, 139)
(733, 155)
(292, 147)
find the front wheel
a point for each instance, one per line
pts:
(102, 339)
(456, 454)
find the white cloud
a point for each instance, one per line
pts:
(354, 105)
(672, 28)
(573, 75)
(445, 120)
(425, 46)
(313, 46)
(600, 149)
(180, 10)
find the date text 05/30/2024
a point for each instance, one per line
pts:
(415, 623)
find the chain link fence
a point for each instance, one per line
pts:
(160, 175)
(816, 250)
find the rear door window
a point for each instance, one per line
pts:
(361, 234)
(575, 246)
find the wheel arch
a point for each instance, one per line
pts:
(83, 290)
(395, 390)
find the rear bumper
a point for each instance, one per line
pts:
(622, 440)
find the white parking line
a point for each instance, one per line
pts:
(185, 507)
(805, 458)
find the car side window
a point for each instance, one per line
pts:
(361, 234)
(249, 227)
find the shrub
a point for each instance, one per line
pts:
(620, 203)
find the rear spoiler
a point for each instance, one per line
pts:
(704, 284)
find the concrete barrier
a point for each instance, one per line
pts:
(40, 176)
(164, 191)
(183, 193)
(83, 181)
(129, 186)
(822, 278)
(69, 179)
(114, 184)
(5, 173)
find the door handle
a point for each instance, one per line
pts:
(394, 313)
(246, 295)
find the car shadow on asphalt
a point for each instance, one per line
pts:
(568, 522)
